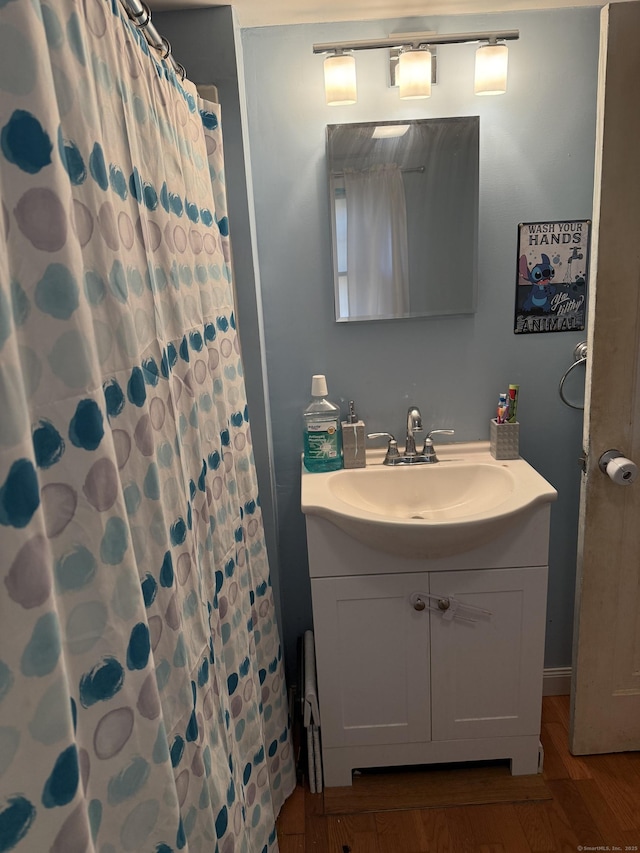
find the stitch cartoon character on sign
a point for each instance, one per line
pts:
(551, 281)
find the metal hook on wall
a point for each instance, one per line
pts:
(580, 356)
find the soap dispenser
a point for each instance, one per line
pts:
(353, 447)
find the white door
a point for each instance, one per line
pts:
(486, 667)
(372, 659)
(606, 666)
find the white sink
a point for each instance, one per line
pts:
(466, 499)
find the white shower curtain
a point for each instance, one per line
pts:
(377, 253)
(142, 699)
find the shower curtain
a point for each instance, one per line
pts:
(377, 248)
(142, 699)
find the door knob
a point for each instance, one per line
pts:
(618, 468)
(418, 604)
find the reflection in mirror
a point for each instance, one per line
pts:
(404, 217)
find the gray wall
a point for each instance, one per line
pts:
(536, 163)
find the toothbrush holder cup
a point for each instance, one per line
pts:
(504, 440)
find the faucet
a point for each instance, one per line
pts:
(414, 424)
(410, 455)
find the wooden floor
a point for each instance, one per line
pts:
(594, 805)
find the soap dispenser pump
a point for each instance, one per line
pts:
(353, 447)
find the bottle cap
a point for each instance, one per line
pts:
(319, 385)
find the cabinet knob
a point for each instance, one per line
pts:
(419, 604)
(444, 604)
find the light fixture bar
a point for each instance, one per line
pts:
(420, 40)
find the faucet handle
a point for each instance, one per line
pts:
(439, 432)
(428, 451)
(392, 448)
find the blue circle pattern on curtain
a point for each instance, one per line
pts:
(142, 697)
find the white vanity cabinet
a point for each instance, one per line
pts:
(486, 674)
(422, 661)
(373, 651)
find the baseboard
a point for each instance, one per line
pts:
(556, 681)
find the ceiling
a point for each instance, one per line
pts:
(267, 13)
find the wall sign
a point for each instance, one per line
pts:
(551, 277)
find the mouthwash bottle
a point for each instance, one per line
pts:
(322, 431)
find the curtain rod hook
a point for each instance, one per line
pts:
(140, 19)
(165, 47)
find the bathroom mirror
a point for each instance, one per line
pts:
(404, 217)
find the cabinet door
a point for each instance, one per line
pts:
(372, 659)
(486, 675)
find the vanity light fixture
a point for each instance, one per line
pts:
(340, 79)
(414, 73)
(491, 69)
(415, 54)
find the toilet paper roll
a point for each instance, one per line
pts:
(622, 470)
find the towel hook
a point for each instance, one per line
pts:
(580, 356)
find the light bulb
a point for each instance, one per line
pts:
(491, 69)
(340, 79)
(414, 72)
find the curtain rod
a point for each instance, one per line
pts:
(407, 169)
(139, 13)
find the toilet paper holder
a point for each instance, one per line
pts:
(618, 468)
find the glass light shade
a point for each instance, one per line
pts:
(414, 73)
(491, 69)
(340, 79)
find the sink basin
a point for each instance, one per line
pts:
(425, 492)
(466, 499)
